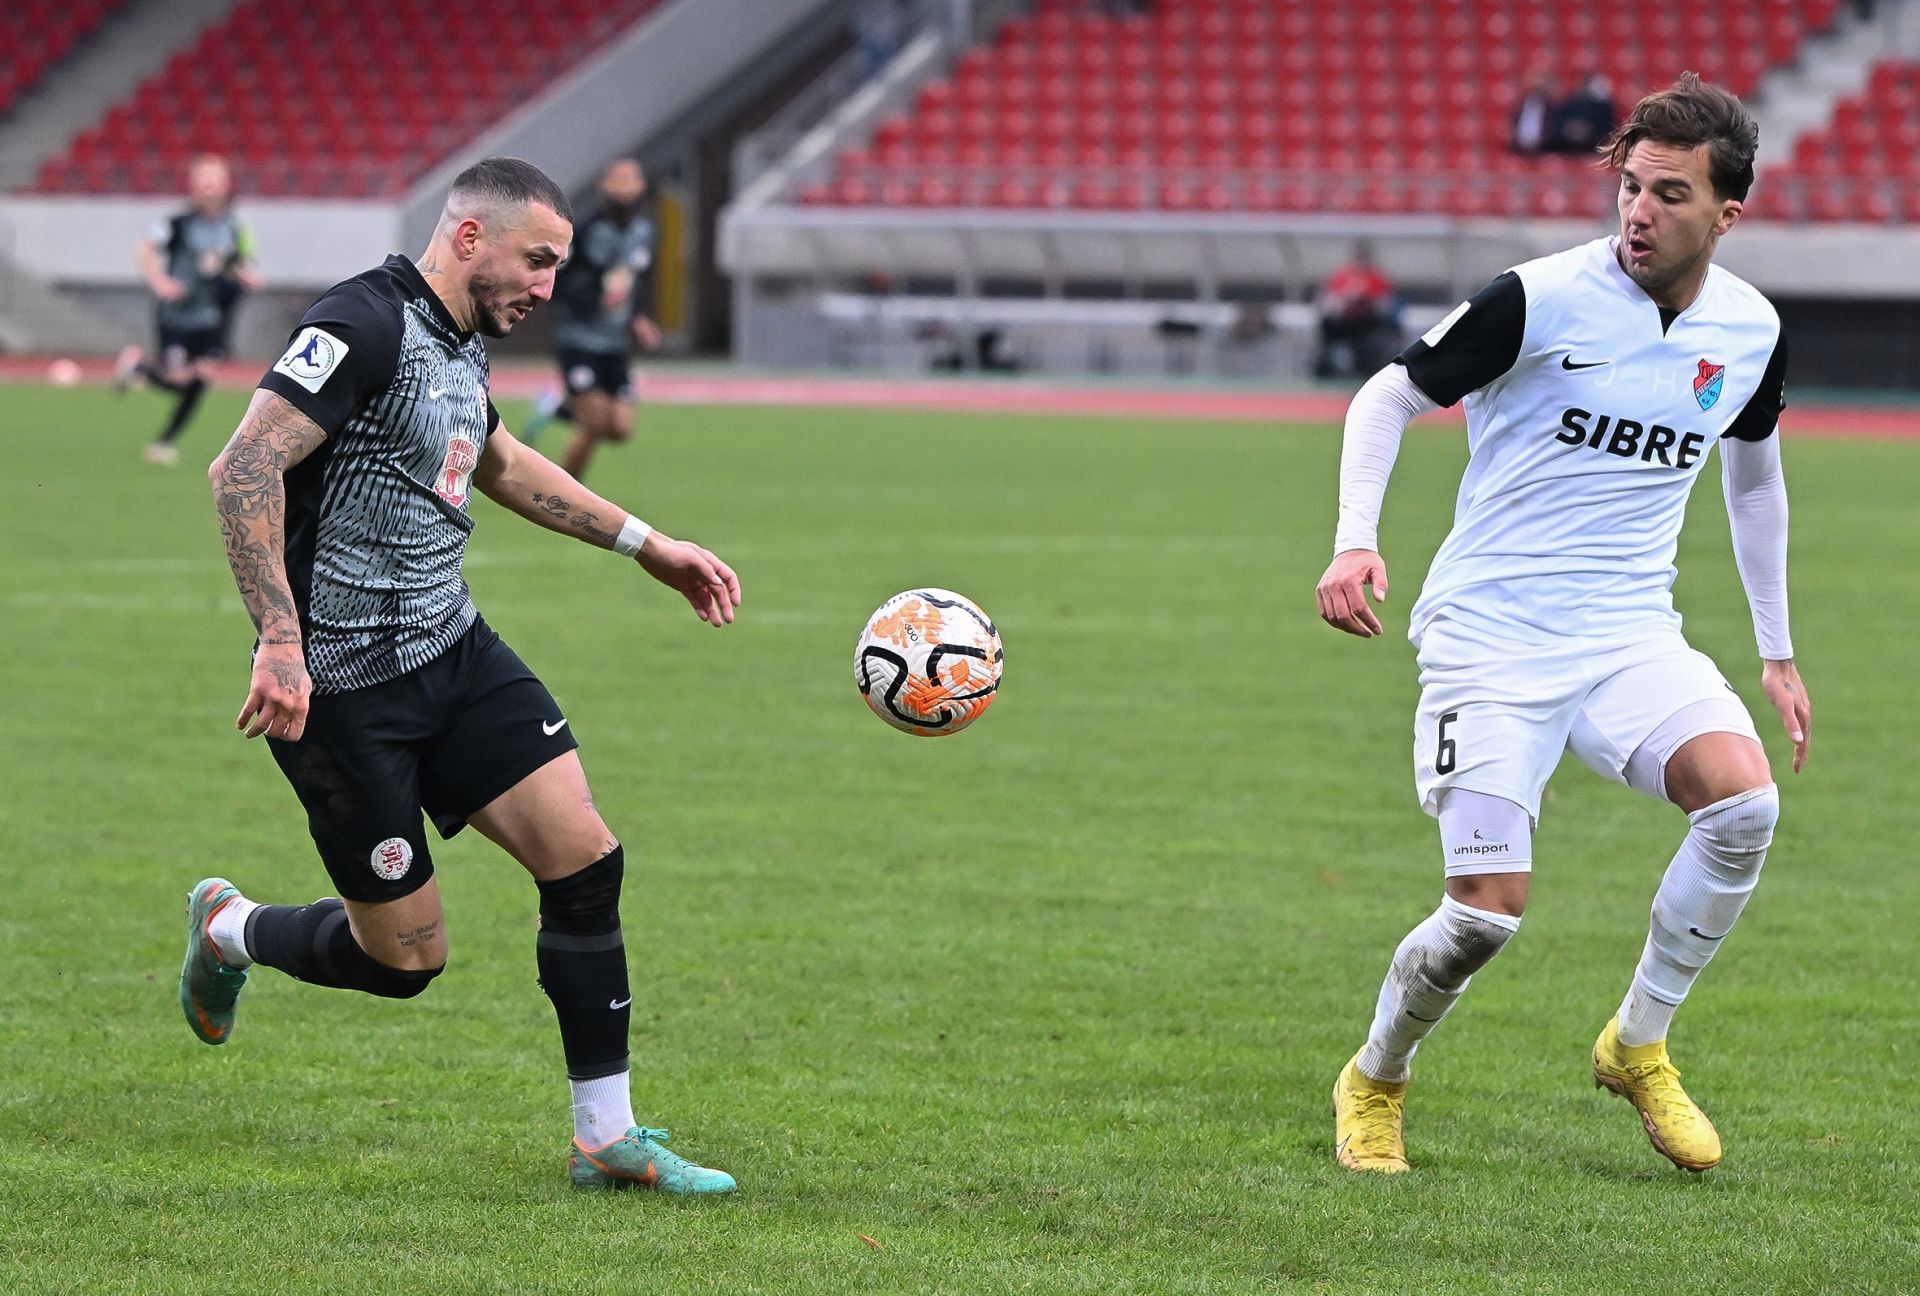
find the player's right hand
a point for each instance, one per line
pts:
(1343, 592)
(169, 289)
(278, 694)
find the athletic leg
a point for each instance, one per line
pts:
(190, 389)
(1476, 917)
(356, 772)
(1490, 729)
(1722, 781)
(1689, 741)
(549, 824)
(593, 423)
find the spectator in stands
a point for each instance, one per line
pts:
(1534, 118)
(198, 263)
(1586, 117)
(1359, 318)
(879, 30)
(597, 298)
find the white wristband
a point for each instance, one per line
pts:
(633, 534)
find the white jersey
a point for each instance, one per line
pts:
(1590, 413)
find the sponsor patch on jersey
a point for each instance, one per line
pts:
(1433, 335)
(392, 858)
(312, 358)
(456, 470)
(1708, 383)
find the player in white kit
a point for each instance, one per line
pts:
(1596, 382)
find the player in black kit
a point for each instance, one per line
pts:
(597, 296)
(198, 264)
(343, 498)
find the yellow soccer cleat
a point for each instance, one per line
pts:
(1366, 1122)
(1642, 1075)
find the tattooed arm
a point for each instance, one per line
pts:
(250, 495)
(524, 481)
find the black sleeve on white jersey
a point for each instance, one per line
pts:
(493, 416)
(1762, 412)
(368, 327)
(1476, 348)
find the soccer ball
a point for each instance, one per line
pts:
(928, 662)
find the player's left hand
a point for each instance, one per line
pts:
(1781, 682)
(646, 333)
(708, 584)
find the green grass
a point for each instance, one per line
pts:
(1053, 1006)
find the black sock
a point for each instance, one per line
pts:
(314, 943)
(158, 376)
(183, 408)
(583, 966)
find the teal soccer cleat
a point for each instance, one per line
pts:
(208, 987)
(640, 1159)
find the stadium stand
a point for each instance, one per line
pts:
(39, 34)
(288, 90)
(1865, 166)
(1292, 106)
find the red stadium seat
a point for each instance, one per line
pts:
(1399, 108)
(435, 85)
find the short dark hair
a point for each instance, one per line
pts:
(1687, 114)
(509, 181)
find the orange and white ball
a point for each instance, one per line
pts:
(928, 662)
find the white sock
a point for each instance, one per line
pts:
(1429, 972)
(1706, 886)
(227, 929)
(602, 1109)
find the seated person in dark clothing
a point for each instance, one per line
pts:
(1586, 117)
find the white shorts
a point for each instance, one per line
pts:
(1496, 720)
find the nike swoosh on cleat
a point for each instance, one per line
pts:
(1566, 362)
(551, 729)
(1703, 936)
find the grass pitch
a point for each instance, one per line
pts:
(1052, 1006)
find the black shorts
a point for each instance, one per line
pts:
(603, 371)
(183, 346)
(447, 738)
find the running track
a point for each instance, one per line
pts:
(676, 386)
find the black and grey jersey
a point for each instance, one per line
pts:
(377, 519)
(201, 252)
(608, 241)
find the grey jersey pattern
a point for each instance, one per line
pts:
(199, 250)
(603, 244)
(378, 517)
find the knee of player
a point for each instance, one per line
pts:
(404, 983)
(1740, 828)
(586, 902)
(1476, 934)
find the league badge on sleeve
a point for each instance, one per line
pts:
(312, 358)
(1708, 382)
